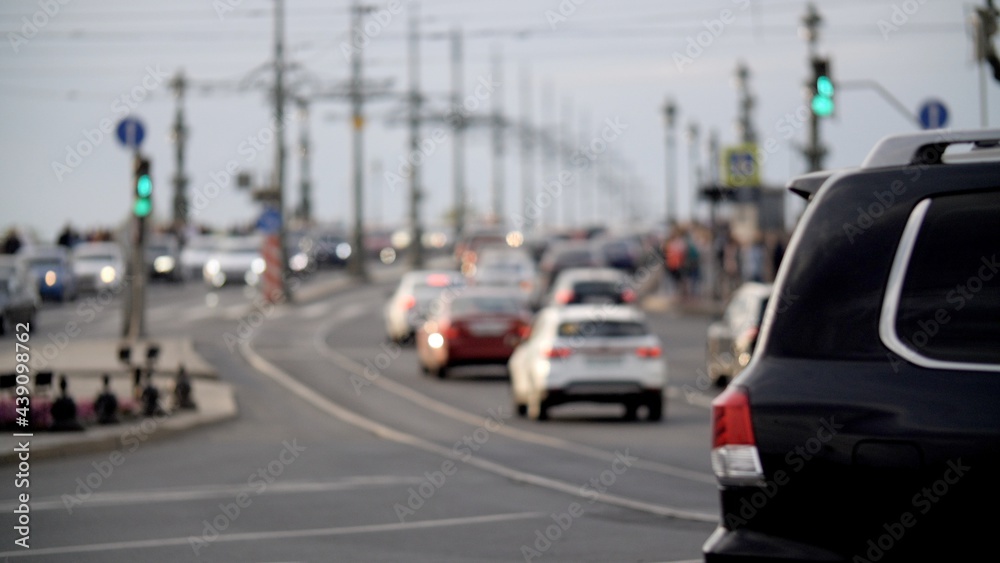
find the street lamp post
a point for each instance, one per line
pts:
(669, 122)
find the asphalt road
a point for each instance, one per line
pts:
(329, 461)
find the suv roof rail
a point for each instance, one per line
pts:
(926, 147)
(806, 185)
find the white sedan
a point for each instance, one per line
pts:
(589, 353)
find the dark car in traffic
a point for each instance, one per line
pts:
(866, 426)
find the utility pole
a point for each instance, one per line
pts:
(279, 166)
(180, 138)
(305, 179)
(694, 153)
(551, 150)
(984, 27)
(583, 178)
(670, 123)
(357, 262)
(527, 152)
(814, 150)
(497, 122)
(565, 138)
(416, 240)
(744, 125)
(458, 124)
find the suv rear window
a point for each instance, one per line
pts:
(949, 306)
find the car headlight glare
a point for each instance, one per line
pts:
(108, 274)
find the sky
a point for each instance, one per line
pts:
(71, 69)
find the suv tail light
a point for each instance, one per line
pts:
(735, 459)
(649, 351)
(564, 296)
(558, 353)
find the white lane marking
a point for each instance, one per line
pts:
(387, 433)
(280, 535)
(454, 413)
(214, 492)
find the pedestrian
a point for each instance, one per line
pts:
(12, 242)
(182, 391)
(676, 253)
(692, 266)
(64, 410)
(106, 404)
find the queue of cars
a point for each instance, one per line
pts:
(565, 330)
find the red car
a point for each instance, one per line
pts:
(478, 326)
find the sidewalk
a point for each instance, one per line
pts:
(215, 401)
(85, 361)
(97, 356)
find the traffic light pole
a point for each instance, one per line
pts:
(814, 150)
(135, 310)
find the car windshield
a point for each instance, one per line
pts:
(426, 293)
(95, 258)
(588, 288)
(574, 257)
(485, 305)
(598, 328)
(45, 264)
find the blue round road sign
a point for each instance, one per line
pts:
(269, 221)
(933, 114)
(130, 132)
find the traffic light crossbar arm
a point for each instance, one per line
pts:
(864, 84)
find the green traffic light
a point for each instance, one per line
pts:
(824, 86)
(822, 106)
(144, 186)
(142, 207)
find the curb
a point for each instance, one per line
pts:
(48, 445)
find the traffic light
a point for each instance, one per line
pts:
(822, 102)
(143, 189)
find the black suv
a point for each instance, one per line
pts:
(867, 425)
